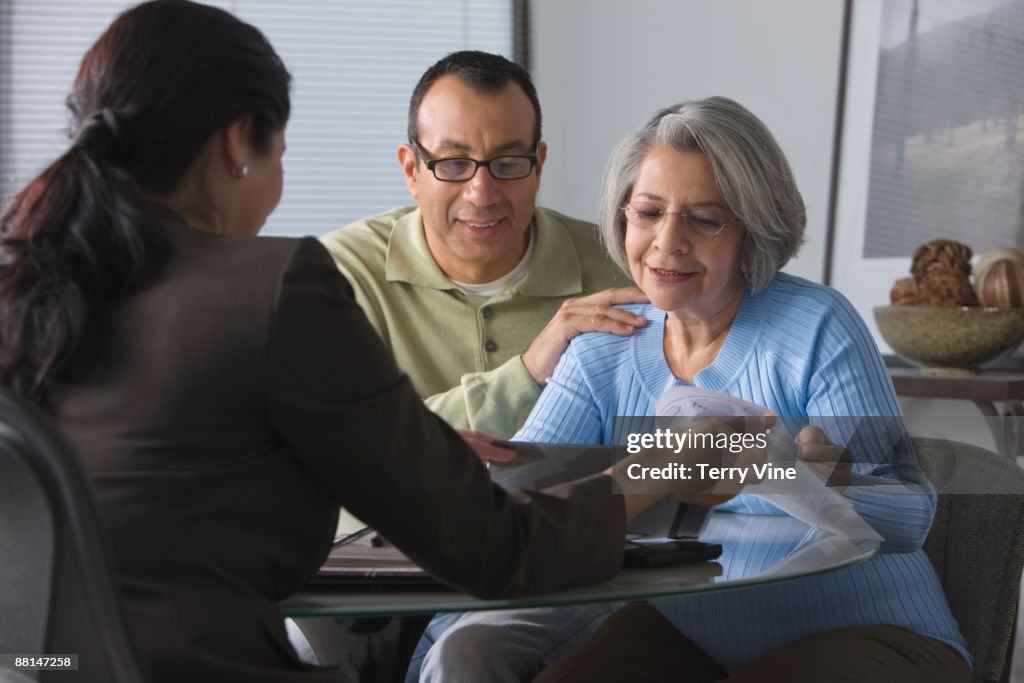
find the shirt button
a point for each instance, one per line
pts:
(486, 312)
(490, 346)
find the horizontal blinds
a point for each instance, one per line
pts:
(945, 155)
(354, 65)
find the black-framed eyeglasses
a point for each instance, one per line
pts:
(705, 226)
(461, 169)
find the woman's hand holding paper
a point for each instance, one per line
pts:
(830, 462)
(706, 463)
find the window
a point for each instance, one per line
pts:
(354, 66)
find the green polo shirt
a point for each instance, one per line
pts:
(462, 351)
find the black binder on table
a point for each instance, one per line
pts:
(362, 565)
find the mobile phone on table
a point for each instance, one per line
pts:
(669, 553)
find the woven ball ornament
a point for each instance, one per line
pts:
(903, 292)
(946, 288)
(941, 254)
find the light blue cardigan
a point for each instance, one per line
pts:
(801, 350)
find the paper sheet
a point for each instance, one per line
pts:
(805, 497)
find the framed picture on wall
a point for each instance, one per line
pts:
(932, 138)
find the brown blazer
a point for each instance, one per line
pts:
(227, 409)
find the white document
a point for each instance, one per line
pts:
(539, 465)
(805, 497)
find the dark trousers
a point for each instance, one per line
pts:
(639, 645)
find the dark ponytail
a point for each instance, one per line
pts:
(160, 81)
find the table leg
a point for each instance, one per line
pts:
(1012, 411)
(1003, 425)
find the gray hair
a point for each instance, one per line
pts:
(750, 169)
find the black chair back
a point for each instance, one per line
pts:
(58, 588)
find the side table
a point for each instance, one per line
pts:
(987, 390)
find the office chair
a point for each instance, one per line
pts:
(58, 591)
(976, 545)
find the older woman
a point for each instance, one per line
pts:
(701, 208)
(226, 392)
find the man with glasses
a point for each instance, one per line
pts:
(477, 291)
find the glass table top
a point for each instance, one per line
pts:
(757, 550)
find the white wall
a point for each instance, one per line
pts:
(603, 66)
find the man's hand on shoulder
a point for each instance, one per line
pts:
(593, 313)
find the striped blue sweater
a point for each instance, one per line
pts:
(801, 350)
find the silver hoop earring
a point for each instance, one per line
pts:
(243, 172)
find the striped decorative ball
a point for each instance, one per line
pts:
(998, 254)
(1001, 284)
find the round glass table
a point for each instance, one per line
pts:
(756, 550)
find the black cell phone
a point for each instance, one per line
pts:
(672, 552)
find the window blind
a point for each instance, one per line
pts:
(945, 156)
(354, 66)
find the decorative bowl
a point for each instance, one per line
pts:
(951, 341)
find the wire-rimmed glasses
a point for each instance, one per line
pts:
(705, 226)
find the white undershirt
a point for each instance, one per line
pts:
(489, 289)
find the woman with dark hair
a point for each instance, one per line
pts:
(226, 393)
(144, 106)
